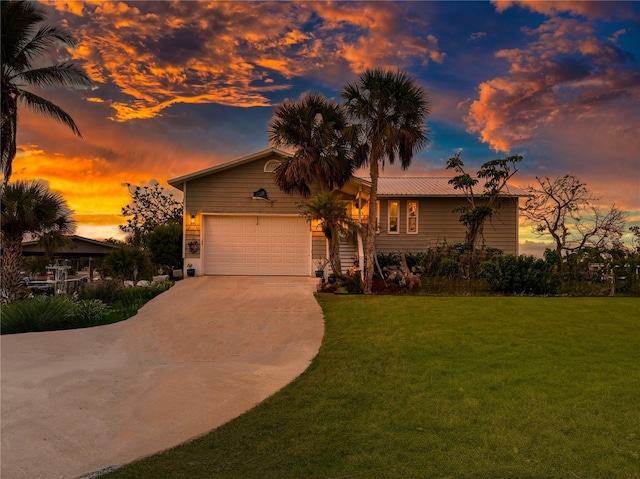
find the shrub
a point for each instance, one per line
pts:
(353, 284)
(43, 313)
(449, 268)
(513, 274)
(105, 291)
(89, 311)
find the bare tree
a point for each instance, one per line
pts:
(566, 210)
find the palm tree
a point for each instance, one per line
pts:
(127, 262)
(313, 127)
(388, 111)
(22, 50)
(331, 213)
(27, 208)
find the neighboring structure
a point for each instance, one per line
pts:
(77, 247)
(238, 222)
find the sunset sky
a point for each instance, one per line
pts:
(182, 86)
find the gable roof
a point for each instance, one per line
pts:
(429, 186)
(179, 181)
(417, 186)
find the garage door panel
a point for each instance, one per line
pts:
(262, 245)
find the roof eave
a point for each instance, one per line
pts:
(181, 180)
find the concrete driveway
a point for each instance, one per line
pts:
(193, 358)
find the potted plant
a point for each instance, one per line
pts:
(191, 271)
(321, 264)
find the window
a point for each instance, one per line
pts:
(412, 217)
(394, 209)
(271, 165)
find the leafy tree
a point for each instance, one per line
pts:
(165, 245)
(331, 212)
(635, 242)
(388, 110)
(480, 207)
(127, 262)
(27, 208)
(564, 209)
(151, 207)
(313, 127)
(23, 48)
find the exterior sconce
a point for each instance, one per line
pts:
(193, 219)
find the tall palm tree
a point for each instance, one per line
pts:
(313, 127)
(331, 213)
(22, 50)
(27, 208)
(388, 111)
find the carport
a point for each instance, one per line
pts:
(76, 247)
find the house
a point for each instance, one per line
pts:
(238, 222)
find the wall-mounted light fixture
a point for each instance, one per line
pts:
(193, 219)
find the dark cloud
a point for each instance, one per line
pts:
(179, 46)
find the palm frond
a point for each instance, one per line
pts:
(62, 74)
(47, 108)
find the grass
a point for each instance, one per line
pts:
(432, 387)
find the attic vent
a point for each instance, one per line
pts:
(271, 165)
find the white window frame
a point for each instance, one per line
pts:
(415, 202)
(389, 203)
(271, 165)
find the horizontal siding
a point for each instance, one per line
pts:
(230, 191)
(437, 224)
(318, 247)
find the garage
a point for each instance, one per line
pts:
(256, 245)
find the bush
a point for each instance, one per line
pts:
(513, 274)
(136, 296)
(353, 284)
(43, 313)
(50, 313)
(105, 291)
(449, 268)
(90, 311)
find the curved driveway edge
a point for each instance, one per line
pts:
(193, 358)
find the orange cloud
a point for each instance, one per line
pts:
(147, 56)
(556, 79)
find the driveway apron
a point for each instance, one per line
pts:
(193, 358)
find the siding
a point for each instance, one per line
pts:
(318, 247)
(438, 224)
(229, 191)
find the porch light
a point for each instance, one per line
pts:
(193, 219)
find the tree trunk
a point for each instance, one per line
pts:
(371, 226)
(334, 252)
(11, 266)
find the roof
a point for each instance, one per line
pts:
(78, 246)
(180, 181)
(429, 186)
(387, 186)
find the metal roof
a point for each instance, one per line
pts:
(387, 186)
(430, 186)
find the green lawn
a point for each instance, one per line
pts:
(430, 387)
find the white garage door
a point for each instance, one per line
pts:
(257, 245)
